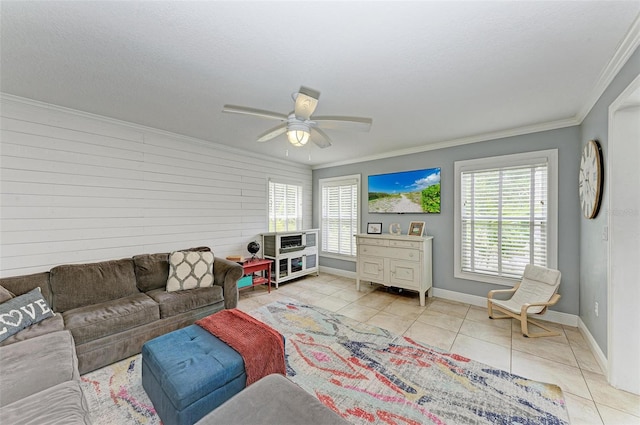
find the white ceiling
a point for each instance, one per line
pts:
(428, 73)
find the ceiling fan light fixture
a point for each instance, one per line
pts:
(298, 137)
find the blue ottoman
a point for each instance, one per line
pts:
(189, 372)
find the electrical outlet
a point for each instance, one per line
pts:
(605, 233)
(596, 308)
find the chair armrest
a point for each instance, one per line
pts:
(502, 291)
(226, 274)
(554, 299)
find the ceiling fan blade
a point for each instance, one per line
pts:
(344, 123)
(320, 138)
(272, 133)
(306, 102)
(233, 109)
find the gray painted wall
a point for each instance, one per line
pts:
(566, 140)
(593, 250)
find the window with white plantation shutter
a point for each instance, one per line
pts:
(506, 216)
(339, 215)
(285, 207)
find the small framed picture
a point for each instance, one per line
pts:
(374, 228)
(416, 228)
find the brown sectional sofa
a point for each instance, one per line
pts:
(113, 307)
(40, 382)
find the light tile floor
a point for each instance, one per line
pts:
(465, 329)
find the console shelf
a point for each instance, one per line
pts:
(294, 254)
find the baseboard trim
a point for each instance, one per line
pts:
(602, 360)
(337, 272)
(550, 316)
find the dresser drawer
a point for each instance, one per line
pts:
(388, 252)
(373, 242)
(405, 244)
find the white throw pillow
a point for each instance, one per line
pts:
(189, 270)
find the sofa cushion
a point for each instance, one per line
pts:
(52, 324)
(21, 312)
(176, 302)
(63, 404)
(110, 317)
(37, 364)
(152, 270)
(5, 294)
(79, 285)
(189, 270)
(19, 285)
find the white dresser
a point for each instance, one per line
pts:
(399, 261)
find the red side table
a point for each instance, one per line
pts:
(257, 265)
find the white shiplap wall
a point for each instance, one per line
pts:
(78, 188)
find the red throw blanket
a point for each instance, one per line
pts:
(261, 347)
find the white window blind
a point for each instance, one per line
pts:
(285, 207)
(504, 218)
(339, 215)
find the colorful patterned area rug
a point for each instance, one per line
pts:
(116, 397)
(366, 374)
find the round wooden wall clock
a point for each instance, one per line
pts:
(591, 179)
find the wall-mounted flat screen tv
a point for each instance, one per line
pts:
(415, 191)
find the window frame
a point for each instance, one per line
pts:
(500, 162)
(299, 207)
(335, 181)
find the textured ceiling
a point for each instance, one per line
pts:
(427, 73)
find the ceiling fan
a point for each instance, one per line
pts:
(299, 125)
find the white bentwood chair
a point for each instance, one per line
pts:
(537, 291)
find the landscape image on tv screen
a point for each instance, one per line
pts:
(415, 191)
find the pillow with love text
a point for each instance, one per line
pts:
(21, 312)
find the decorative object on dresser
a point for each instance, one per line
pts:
(401, 261)
(294, 254)
(395, 229)
(374, 228)
(416, 228)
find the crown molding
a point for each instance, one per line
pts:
(624, 51)
(519, 131)
(145, 129)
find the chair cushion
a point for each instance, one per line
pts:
(538, 286)
(176, 302)
(541, 274)
(110, 317)
(79, 285)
